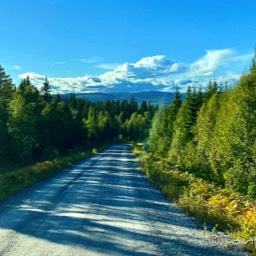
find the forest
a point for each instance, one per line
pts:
(201, 153)
(35, 125)
(211, 134)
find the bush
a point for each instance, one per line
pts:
(230, 211)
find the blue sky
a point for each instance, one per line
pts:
(135, 45)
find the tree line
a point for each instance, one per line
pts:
(35, 125)
(211, 134)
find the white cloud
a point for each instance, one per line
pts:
(65, 85)
(96, 84)
(213, 59)
(154, 66)
(108, 66)
(150, 73)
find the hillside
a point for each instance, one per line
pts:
(153, 97)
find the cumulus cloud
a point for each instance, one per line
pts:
(213, 59)
(33, 76)
(154, 66)
(65, 85)
(149, 73)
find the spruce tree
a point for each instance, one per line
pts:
(46, 90)
(184, 126)
(6, 93)
(171, 115)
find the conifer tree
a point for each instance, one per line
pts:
(171, 114)
(6, 93)
(46, 90)
(184, 127)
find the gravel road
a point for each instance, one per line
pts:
(101, 206)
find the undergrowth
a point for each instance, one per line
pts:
(231, 212)
(18, 179)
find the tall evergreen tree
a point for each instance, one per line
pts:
(184, 127)
(6, 93)
(211, 89)
(171, 114)
(164, 128)
(46, 90)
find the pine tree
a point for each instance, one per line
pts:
(6, 93)
(143, 107)
(24, 84)
(28, 91)
(133, 105)
(211, 89)
(163, 128)
(46, 90)
(5, 80)
(171, 115)
(204, 130)
(184, 127)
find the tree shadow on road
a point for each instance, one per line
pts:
(104, 207)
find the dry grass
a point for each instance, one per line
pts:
(14, 181)
(231, 212)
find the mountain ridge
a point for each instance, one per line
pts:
(153, 97)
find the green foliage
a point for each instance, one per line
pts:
(184, 127)
(137, 126)
(18, 179)
(6, 92)
(94, 151)
(21, 127)
(162, 131)
(212, 135)
(213, 144)
(35, 125)
(46, 91)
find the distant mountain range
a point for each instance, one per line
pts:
(154, 97)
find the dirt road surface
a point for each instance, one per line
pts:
(101, 206)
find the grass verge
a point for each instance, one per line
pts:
(12, 182)
(230, 212)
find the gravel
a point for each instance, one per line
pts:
(101, 206)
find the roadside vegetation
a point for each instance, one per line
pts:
(201, 153)
(15, 180)
(41, 134)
